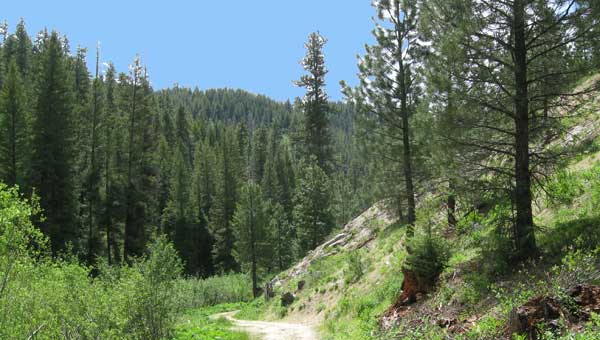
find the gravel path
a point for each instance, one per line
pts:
(271, 330)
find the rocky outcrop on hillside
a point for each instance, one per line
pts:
(355, 235)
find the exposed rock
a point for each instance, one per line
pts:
(356, 234)
(287, 299)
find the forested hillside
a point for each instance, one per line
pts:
(115, 162)
(452, 194)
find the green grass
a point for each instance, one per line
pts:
(197, 324)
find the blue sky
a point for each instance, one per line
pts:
(250, 44)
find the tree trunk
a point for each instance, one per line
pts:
(128, 239)
(524, 233)
(406, 147)
(451, 208)
(407, 160)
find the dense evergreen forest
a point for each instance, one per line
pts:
(115, 162)
(123, 206)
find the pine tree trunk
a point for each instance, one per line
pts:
(408, 175)
(524, 233)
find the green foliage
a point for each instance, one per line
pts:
(493, 238)
(428, 257)
(14, 129)
(563, 188)
(200, 325)
(312, 212)
(355, 268)
(152, 306)
(197, 293)
(55, 299)
(579, 233)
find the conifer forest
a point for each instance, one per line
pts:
(451, 191)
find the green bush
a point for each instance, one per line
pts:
(563, 188)
(45, 298)
(582, 233)
(230, 288)
(355, 268)
(428, 257)
(151, 307)
(494, 240)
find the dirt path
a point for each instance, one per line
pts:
(271, 330)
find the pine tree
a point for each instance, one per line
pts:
(509, 83)
(202, 193)
(387, 91)
(283, 240)
(140, 202)
(183, 135)
(313, 219)
(52, 161)
(223, 207)
(23, 50)
(177, 217)
(315, 106)
(14, 130)
(251, 235)
(111, 130)
(94, 174)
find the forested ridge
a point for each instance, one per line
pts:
(115, 162)
(452, 194)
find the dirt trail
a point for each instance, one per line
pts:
(271, 330)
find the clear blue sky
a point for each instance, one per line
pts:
(249, 44)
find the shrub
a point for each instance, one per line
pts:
(229, 288)
(583, 234)
(45, 298)
(428, 257)
(355, 268)
(152, 306)
(563, 188)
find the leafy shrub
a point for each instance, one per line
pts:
(45, 298)
(152, 306)
(229, 288)
(577, 267)
(563, 188)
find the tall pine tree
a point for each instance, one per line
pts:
(53, 161)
